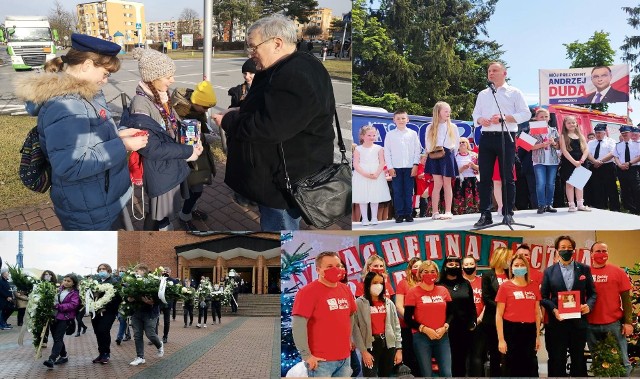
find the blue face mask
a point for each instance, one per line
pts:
(103, 274)
(121, 274)
(519, 271)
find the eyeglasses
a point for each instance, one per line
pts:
(252, 49)
(106, 75)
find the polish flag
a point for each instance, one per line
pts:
(538, 127)
(525, 141)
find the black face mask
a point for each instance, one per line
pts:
(469, 270)
(453, 271)
(565, 254)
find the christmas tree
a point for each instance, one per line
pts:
(292, 264)
(607, 361)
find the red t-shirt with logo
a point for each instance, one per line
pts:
(502, 278)
(535, 276)
(431, 306)
(378, 317)
(403, 289)
(520, 302)
(476, 286)
(328, 311)
(387, 288)
(610, 281)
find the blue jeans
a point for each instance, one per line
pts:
(402, 185)
(545, 183)
(122, 328)
(275, 220)
(425, 348)
(597, 333)
(331, 369)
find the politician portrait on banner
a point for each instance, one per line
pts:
(584, 85)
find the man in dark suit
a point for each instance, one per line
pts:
(601, 79)
(562, 334)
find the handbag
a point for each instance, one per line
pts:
(438, 152)
(324, 196)
(71, 327)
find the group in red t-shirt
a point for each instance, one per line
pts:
(610, 281)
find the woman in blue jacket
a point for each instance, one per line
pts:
(90, 183)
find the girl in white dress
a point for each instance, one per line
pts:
(369, 183)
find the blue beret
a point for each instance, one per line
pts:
(83, 42)
(625, 128)
(600, 128)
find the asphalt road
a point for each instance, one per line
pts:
(226, 73)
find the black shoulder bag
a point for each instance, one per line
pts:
(325, 196)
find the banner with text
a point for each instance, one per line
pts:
(585, 85)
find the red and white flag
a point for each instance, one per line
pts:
(538, 127)
(525, 141)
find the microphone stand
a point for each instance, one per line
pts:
(506, 206)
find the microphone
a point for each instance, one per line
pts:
(492, 86)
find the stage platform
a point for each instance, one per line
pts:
(597, 219)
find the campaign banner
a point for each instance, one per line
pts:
(584, 85)
(397, 249)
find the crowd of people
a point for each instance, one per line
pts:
(452, 320)
(273, 114)
(145, 320)
(445, 171)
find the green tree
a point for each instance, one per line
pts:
(227, 13)
(381, 75)
(63, 21)
(444, 42)
(630, 47)
(311, 31)
(295, 9)
(596, 51)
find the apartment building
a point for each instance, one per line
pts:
(320, 17)
(103, 19)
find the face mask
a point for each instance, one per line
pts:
(47, 277)
(469, 270)
(519, 271)
(600, 258)
(414, 272)
(377, 270)
(103, 274)
(429, 278)
(565, 254)
(121, 273)
(453, 271)
(166, 275)
(376, 289)
(216, 287)
(334, 274)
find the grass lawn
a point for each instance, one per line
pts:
(12, 192)
(339, 69)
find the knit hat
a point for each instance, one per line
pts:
(204, 95)
(153, 64)
(249, 66)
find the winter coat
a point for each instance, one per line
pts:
(5, 292)
(291, 103)
(68, 308)
(238, 93)
(164, 160)
(90, 179)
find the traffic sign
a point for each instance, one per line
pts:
(171, 34)
(138, 25)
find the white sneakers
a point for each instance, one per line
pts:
(365, 222)
(204, 325)
(137, 361)
(161, 350)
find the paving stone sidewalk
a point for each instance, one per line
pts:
(240, 347)
(217, 201)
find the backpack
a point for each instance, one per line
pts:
(35, 169)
